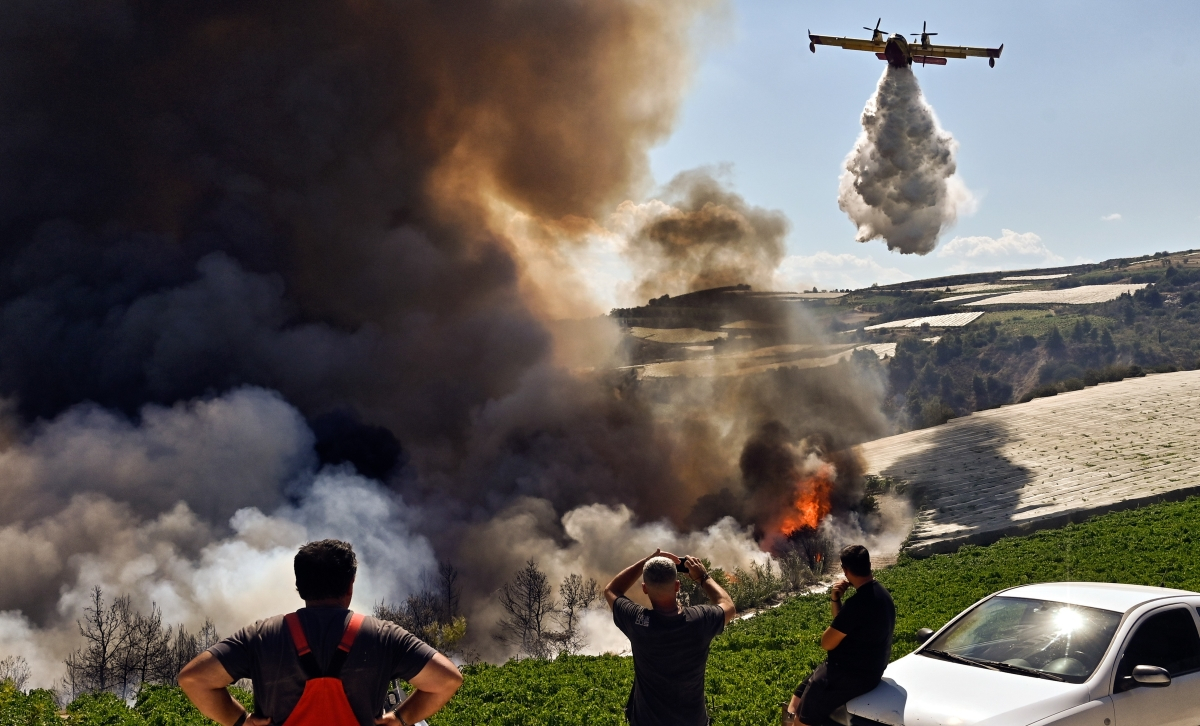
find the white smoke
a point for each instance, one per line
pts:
(198, 508)
(596, 541)
(900, 183)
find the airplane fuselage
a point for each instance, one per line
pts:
(897, 52)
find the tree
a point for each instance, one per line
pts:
(979, 388)
(124, 649)
(97, 665)
(183, 647)
(528, 603)
(575, 596)
(147, 651)
(431, 614)
(1055, 345)
(15, 670)
(448, 588)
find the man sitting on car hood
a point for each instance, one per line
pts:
(859, 642)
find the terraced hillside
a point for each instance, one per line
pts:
(1039, 464)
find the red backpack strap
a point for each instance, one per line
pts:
(297, 631)
(356, 621)
(343, 650)
(308, 661)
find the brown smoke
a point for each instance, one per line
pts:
(708, 237)
(241, 241)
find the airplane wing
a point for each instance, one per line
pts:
(953, 51)
(847, 43)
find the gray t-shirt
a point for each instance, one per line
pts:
(264, 653)
(670, 653)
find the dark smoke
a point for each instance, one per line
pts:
(707, 237)
(292, 194)
(775, 465)
(242, 240)
(899, 183)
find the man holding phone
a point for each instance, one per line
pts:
(859, 642)
(670, 643)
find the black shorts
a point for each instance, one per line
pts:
(821, 693)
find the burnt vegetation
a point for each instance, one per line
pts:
(124, 650)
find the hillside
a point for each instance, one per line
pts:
(947, 346)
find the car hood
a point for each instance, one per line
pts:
(922, 691)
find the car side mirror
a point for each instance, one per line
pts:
(923, 634)
(1145, 675)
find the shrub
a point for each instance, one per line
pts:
(36, 708)
(755, 587)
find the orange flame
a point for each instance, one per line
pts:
(810, 506)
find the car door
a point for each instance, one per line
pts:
(1166, 638)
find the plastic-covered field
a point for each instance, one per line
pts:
(677, 335)
(953, 320)
(971, 287)
(1034, 465)
(1037, 277)
(1083, 295)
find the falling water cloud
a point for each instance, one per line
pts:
(900, 183)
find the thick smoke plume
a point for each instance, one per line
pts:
(899, 183)
(273, 271)
(700, 235)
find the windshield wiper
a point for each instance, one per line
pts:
(1002, 666)
(959, 659)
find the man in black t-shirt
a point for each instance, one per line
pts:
(859, 642)
(266, 653)
(670, 643)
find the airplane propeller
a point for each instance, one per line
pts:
(876, 29)
(925, 35)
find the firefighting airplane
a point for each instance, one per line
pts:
(900, 53)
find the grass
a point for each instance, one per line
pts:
(756, 663)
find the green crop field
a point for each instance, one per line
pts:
(757, 662)
(1038, 322)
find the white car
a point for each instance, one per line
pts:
(1063, 653)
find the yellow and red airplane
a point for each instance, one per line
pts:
(900, 53)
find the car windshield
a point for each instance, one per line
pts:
(1038, 638)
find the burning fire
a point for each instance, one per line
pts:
(811, 504)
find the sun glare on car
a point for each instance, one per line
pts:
(1067, 621)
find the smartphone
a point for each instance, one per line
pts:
(680, 567)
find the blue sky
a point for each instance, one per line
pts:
(1092, 111)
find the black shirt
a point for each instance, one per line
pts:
(868, 619)
(669, 656)
(264, 653)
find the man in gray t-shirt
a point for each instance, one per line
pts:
(267, 654)
(670, 643)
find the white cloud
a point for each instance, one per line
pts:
(1009, 250)
(827, 270)
(1114, 217)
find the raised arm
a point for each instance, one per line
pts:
(205, 682)
(628, 577)
(435, 685)
(715, 593)
(832, 637)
